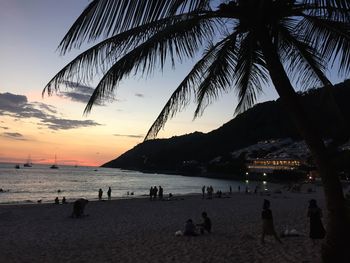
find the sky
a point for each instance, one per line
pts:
(42, 127)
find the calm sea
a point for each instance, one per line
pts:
(39, 182)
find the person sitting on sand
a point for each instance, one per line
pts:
(57, 202)
(190, 228)
(206, 225)
(268, 228)
(317, 230)
(79, 207)
(64, 200)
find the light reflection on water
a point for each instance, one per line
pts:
(42, 183)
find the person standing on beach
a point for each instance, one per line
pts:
(109, 193)
(268, 228)
(155, 191)
(100, 193)
(150, 193)
(160, 194)
(203, 191)
(317, 230)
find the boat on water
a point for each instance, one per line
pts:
(54, 166)
(28, 163)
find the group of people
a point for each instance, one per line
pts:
(154, 192)
(109, 193)
(210, 191)
(317, 231)
(57, 201)
(191, 228)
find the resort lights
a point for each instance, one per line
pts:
(264, 174)
(246, 173)
(264, 182)
(247, 181)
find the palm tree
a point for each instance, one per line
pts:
(245, 45)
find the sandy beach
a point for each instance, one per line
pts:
(140, 230)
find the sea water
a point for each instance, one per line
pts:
(39, 182)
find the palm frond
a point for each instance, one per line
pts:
(182, 95)
(303, 63)
(103, 18)
(331, 38)
(250, 73)
(102, 56)
(218, 76)
(182, 39)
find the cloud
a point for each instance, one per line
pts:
(82, 93)
(128, 135)
(66, 124)
(140, 95)
(14, 136)
(18, 107)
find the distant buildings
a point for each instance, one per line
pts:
(272, 164)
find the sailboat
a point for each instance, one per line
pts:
(28, 163)
(54, 166)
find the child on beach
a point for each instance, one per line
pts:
(190, 228)
(268, 228)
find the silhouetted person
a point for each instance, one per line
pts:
(64, 200)
(150, 193)
(57, 201)
(203, 191)
(230, 190)
(79, 207)
(190, 228)
(206, 224)
(155, 191)
(160, 194)
(317, 230)
(268, 228)
(109, 193)
(100, 193)
(239, 189)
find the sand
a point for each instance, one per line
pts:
(140, 230)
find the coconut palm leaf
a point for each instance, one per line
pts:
(218, 76)
(103, 18)
(183, 39)
(250, 73)
(100, 57)
(182, 95)
(330, 37)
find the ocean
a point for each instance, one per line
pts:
(39, 182)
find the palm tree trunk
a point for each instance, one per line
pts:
(334, 248)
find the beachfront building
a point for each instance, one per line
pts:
(269, 165)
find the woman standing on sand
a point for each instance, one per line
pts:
(317, 230)
(268, 228)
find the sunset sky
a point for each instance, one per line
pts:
(44, 127)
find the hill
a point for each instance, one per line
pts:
(264, 121)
